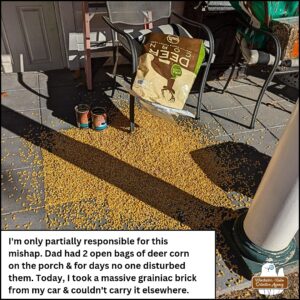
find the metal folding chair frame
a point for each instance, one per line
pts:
(272, 73)
(134, 60)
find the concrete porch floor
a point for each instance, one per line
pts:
(49, 98)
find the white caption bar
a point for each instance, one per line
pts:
(108, 264)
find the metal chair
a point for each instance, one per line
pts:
(274, 69)
(146, 14)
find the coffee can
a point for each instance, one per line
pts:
(99, 118)
(82, 112)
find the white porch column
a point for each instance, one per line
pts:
(272, 220)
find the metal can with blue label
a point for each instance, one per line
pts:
(82, 112)
(99, 118)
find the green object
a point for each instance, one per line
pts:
(176, 71)
(200, 58)
(260, 13)
(249, 256)
(256, 253)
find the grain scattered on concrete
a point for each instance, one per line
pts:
(145, 180)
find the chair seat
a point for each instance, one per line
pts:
(259, 57)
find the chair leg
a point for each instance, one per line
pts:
(115, 59)
(270, 77)
(200, 94)
(132, 98)
(261, 94)
(131, 112)
(235, 62)
(205, 74)
(268, 80)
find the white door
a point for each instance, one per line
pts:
(30, 28)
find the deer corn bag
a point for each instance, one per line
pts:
(168, 68)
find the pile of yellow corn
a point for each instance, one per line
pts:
(116, 180)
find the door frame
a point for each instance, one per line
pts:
(59, 24)
(65, 19)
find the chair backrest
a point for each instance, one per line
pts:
(135, 12)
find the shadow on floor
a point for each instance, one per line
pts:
(276, 87)
(238, 168)
(233, 166)
(64, 92)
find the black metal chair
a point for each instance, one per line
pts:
(134, 13)
(274, 69)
